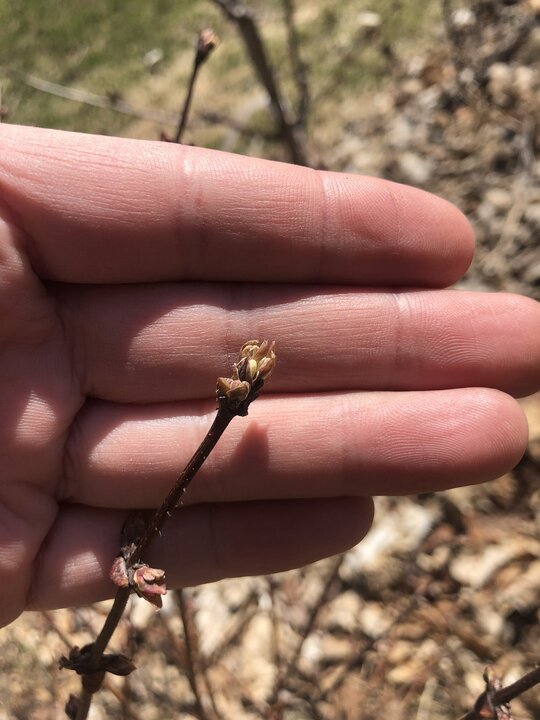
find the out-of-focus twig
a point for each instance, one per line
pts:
(3, 110)
(291, 665)
(299, 67)
(500, 698)
(243, 18)
(243, 616)
(195, 668)
(357, 657)
(107, 102)
(206, 43)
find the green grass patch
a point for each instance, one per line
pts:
(99, 46)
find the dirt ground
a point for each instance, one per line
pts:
(445, 584)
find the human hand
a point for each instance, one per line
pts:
(131, 273)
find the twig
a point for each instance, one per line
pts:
(242, 17)
(291, 666)
(373, 643)
(3, 110)
(299, 67)
(425, 703)
(187, 666)
(93, 676)
(231, 635)
(129, 572)
(194, 665)
(216, 118)
(119, 695)
(206, 42)
(275, 641)
(106, 102)
(501, 697)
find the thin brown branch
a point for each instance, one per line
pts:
(505, 695)
(206, 43)
(195, 669)
(92, 680)
(243, 616)
(243, 18)
(174, 497)
(119, 695)
(298, 66)
(215, 118)
(234, 396)
(290, 668)
(372, 643)
(106, 102)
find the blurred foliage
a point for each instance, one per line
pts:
(100, 47)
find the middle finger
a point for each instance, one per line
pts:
(166, 342)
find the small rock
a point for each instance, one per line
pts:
(343, 613)
(501, 83)
(532, 215)
(525, 81)
(500, 198)
(369, 20)
(416, 169)
(153, 59)
(334, 649)
(400, 131)
(374, 620)
(531, 408)
(532, 274)
(463, 18)
(477, 570)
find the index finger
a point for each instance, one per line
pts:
(104, 210)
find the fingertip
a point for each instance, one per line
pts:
(506, 432)
(356, 515)
(441, 232)
(514, 430)
(463, 240)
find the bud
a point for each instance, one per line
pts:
(118, 572)
(260, 359)
(206, 42)
(149, 583)
(236, 391)
(118, 664)
(257, 360)
(72, 707)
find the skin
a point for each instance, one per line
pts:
(131, 273)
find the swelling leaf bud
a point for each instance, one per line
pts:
(256, 363)
(149, 583)
(206, 42)
(260, 358)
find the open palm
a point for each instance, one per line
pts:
(130, 275)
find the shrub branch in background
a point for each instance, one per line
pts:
(289, 130)
(206, 42)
